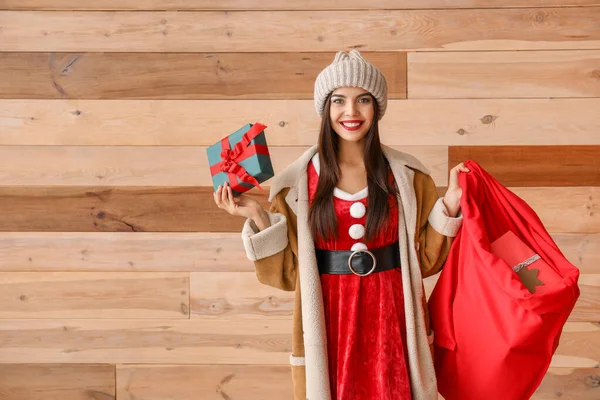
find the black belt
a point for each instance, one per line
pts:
(359, 262)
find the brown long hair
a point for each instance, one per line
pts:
(322, 219)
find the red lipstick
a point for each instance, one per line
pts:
(351, 125)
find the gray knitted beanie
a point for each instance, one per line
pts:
(350, 70)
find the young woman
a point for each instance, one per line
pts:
(353, 228)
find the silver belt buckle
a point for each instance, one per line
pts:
(362, 251)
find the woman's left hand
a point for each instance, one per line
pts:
(454, 192)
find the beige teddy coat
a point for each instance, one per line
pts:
(284, 257)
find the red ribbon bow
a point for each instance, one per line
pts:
(231, 157)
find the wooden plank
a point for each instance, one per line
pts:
(507, 74)
(176, 76)
(301, 31)
(458, 122)
(149, 382)
(211, 382)
(123, 252)
(94, 295)
(201, 341)
(586, 309)
(215, 382)
(185, 209)
(159, 5)
(176, 252)
(230, 295)
(116, 165)
(579, 345)
(57, 381)
(89, 209)
(558, 213)
(581, 250)
(150, 165)
(519, 166)
(154, 382)
(569, 383)
(206, 382)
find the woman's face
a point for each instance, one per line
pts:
(351, 113)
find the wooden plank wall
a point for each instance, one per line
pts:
(120, 279)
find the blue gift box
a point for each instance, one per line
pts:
(250, 156)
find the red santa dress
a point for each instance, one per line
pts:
(366, 329)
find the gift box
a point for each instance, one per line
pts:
(241, 159)
(532, 270)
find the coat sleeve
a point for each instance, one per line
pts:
(274, 250)
(436, 229)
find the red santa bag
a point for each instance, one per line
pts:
(502, 299)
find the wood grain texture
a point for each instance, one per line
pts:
(458, 122)
(175, 252)
(116, 165)
(215, 382)
(90, 209)
(586, 309)
(506, 74)
(94, 295)
(581, 250)
(298, 31)
(206, 382)
(57, 382)
(229, 295)
(150, 165)
(579, 346)
(101, 5)
(185, 209)
(157, 382)
(201, 341)
(124, 252)
(532, 166)
(569, 384)
(564, 210)
(76, 286)
(176, 76)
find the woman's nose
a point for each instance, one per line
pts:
(351, 110)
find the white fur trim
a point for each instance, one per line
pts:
(356, 231)
(292, 199)
(297, 361)
(358, 210)
(442, 222)
(316, 162)
(359, 246)
(261, 244)
(337, 192)
(313, 313)
(340, 194)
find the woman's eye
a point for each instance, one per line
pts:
(337, 101)
(365, 100)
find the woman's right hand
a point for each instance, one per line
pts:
(242, 205)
